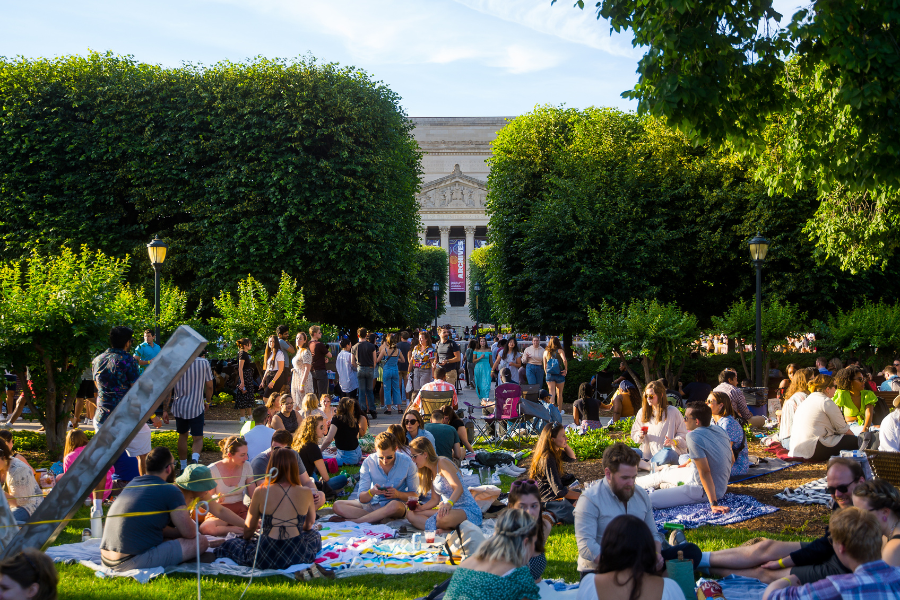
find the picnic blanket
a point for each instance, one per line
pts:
(808, 493)
(771, 465)
(781, 452)
(735, 587)
(694, 515)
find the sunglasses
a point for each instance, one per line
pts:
(838, 488)
(408, 421)
(386, 458)
(519, 482)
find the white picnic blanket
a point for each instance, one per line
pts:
(808, 493)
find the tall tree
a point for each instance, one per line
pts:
(432, 264)
(481, 309)
(257, 167)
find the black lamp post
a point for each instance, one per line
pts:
(477, 314)
(759, 247)
(436, 289)
(157, 250)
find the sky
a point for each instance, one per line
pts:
(445, 58)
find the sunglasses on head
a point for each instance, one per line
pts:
(838, 488)
(519, 482)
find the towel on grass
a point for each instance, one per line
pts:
(808, 493)
(692, 516)
(771, 465)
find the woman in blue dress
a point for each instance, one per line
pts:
(723, 415)
(482, 361)
(450, 503)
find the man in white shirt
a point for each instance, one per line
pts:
(346, 373)
(890, 431)
(259, 439)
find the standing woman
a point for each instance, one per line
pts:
(470, 366)
(301, 380)
(286, 418)
(345, 431)
(509, 358)
(276, 374)
(451, 502)
(482, 361)
(855, 401)
(233, 475)
(723, 416)
(422, 359)
(551, 453)
(245, 398)
(556, 366)
(666, 435)
(390, 373)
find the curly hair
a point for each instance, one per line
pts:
(843, 379)
(880, 494)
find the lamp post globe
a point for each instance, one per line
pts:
(157, 251)
(759, 248)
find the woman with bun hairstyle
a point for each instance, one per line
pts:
(233, 475)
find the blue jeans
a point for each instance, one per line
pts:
(349, 457)
(666, 456)
(20, 514)
(337, 482)
(391, 379)
(555, 415)
(534, 374)
(366, 378)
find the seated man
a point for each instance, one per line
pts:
(148, 541)
(196, 484)
(856, 536)
(260, 437)
(890, 430)
(555, 415)
(283, 439)
(705, 477)
(438, 384)
(769, 560)
(386, 480)
(446, 439)
(616, 494)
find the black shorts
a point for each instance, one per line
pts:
(87, 389)
(813, 573)
(11, 383)
(194, 426)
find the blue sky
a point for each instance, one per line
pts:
(443, 57)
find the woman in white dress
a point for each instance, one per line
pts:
(301, 380)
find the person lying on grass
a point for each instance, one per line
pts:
(451, 503)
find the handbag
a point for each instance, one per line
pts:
(466, 539)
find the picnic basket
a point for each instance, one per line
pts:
(885, 465)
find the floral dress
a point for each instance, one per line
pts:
(247, 398)
(298, 391)
(736, 435)
(468, 584)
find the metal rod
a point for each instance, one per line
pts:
(156, 295)
(759, 377)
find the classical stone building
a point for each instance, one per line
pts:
(452, 196)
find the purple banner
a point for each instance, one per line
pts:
(457, 265)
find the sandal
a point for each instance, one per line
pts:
(314, 572)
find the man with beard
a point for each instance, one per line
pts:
(140, 542)
(616, 494)
(770, 560)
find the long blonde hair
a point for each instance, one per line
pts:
(310, 403)
(800, 382)
(421, 445)
(661, 408)
(513, 528)
(308, 432)
(75, 439)
(544, 450)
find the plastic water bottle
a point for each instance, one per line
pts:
(495, 478)
(97, 519)
(85, 535)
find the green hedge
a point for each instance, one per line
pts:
(32, 441)
(592, 444)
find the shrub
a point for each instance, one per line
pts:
(592, 444)
(32, 441)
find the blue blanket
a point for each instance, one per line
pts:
(735, 587)
(694, 515)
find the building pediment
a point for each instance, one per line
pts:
(455, 191)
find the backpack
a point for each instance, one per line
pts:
(553, 366)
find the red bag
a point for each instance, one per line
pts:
(331, 465)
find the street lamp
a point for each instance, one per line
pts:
(759, 247)
(157, 250)
(477, 314)
(436, 289)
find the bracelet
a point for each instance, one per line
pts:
(789, 580)
(450, 502)
(781, 564)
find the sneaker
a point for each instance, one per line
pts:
(374, 414)
(70, 426)
(387, 412)
(677, 537)
(193, 461)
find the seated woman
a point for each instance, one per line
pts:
(550, 453)
(399, 434)
(624, 401)
(7, 436)
(499, 568)
(881, 498)
(308, 408)
(723, 416)
(451, 503)
(659, 428)
(233, 475)
(852, 397)
(586, 409)
(819, 430)
(795, 394)
(287, 418)
(452, 419)
(287, 536)
(346, 428)
(307, 446)
(76, 440)
(525, 495)
(415, 426)
(196, 484)
(629, 566)
(23, 492)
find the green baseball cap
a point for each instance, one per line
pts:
(196, 478)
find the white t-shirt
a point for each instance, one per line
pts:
(587, 590)
(259, 439)
(272, 365)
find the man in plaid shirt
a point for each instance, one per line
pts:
(856, 535)
(439, 384)
(728, 384)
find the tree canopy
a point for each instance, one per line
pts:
(432, 264)
(256, 167)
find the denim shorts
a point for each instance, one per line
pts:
(556, 378)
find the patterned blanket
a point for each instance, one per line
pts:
(694, 515)
(808, 493)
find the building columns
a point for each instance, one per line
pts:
(445, 244)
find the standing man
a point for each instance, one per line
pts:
(320, 356)
(403, 361)
(448, 356)
(283, 332)
(616, 494)
(347, 382)
(363, 360)
(146, 351)
(192, 395)
(533, 359)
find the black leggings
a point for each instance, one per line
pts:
(822, 453)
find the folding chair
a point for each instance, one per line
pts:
(433, 400)
(531, 392)
(603, 387)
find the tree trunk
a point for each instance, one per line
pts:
(730, 347)
(744, 362)
(567, 344)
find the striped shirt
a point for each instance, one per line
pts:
(738, 403)
(189, 390)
